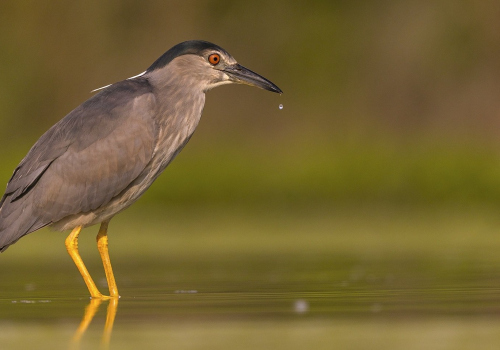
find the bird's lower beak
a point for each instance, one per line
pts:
(242, 75)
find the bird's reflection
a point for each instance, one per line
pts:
(90, 311)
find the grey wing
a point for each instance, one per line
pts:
(80, 164)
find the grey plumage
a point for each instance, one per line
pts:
(103, 155)
(81, 163)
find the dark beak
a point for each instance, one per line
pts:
(242, 75)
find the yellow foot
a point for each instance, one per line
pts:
(72, 247)
(102, 245)
(104, 297)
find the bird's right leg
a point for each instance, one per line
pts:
(102, 246)
(72, 247)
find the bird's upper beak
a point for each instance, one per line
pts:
(242, 75)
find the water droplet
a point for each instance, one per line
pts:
(280, 106)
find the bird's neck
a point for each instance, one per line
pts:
(179, 108)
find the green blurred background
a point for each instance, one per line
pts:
(377, 187)
(385, 101)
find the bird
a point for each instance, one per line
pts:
(102, 156)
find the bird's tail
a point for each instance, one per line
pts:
(16, 220)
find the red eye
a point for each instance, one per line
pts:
(214, 58)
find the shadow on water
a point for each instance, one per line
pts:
(90, 311)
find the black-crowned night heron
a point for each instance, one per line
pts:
(105, 154)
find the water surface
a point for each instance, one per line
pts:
(391, 280)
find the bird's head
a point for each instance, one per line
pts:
(204, 65)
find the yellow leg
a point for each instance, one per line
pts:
(102, 245)
(72, 247)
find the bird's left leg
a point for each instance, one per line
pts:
(102, 245)
(72, 247)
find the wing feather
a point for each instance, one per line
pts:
(83, 161)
